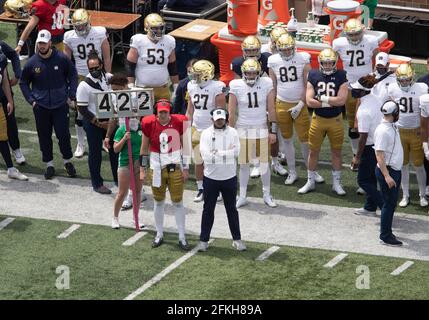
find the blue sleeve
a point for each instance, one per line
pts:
(24, 82)
(236, 65)
(264, 61)
(12, 56)
(72, 78)
(311, 78)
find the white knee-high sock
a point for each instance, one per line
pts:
(158, 210)
(179, 211)
(290, 153)
(244, 179)
(281, 142)
(421, 180)
(80, 135)
(405, 180)
(304, 152)
(265, 178)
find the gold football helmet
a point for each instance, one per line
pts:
(154, 26)
(405, 76)
(81, 22)
(274, 35)
(251, 47)
(17, 8)
(251, 71)
(353, 30)
(202, 71)
(286, 46)
(327, 61)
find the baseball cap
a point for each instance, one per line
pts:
(219, 114)
(163, 105)
(389, 107)
(382, 58)
(43, 36)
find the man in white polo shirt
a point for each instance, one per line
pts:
(219, 148)
(390, 158)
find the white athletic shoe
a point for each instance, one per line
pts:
(199, 197)
(404, 202)
(309, 186)
(115, 223)
(80, 150)
(202, 246)
(219, 197)
(19, 157)
(318, 178)
(423, 202)
(268, 200)
(291, 178)
(144, 198)
(364, 212)
(277, 168)
(338, 189)
(13, 173)
(128, 203)
(239, 245)
(360, 191)
(255, 173)
(241, 202)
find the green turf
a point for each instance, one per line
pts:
(101, 268)
(323, 195)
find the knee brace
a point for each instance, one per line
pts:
(353, 134)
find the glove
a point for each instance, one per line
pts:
(295, 111)
(426, 150)
(368, 81)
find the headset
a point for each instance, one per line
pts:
(386, 109)
(162, 102)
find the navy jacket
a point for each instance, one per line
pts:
(180, 104)
(52, 80)
(10, 53)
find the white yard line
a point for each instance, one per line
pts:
(267, 253)
(336, 260)
(69, 231)
(402, 268)
(5, 222)
(35, 133)
(162, 274)
(134, 239)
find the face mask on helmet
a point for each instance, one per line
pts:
(286, 53)
(250, 77)
(405, 83)
(354, 37)
(252, 53)
(156, 33)
(328, 67)
(83, 29)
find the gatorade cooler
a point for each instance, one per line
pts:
(242, 17)
(340, 12)
(273, 10)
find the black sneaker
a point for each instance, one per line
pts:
(71, 171)
(157, 242)
(391, 241)
(184, 245)
(49, 173)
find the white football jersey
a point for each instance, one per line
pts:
(151, 69)
(251, 104)
(381, 89)
(204, 101)
(81, 46)
(357, 59)
(290, 75)
(409, 101)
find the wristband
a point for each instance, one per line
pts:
(21, 43)
(324, 99)
(144, 161)
(274, 127)
(325, 105)
(300, 104)
(425, 147)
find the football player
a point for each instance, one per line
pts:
(424, 123)
(326, 94)
(407, 94)
(289, 70)
(78, 43)
(271, 47)
(205, 94)
(252, 97)
(356, 50)
(152, 58)
(163, 137)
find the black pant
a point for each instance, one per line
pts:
(228, 189)
(58, 119)
(12, 127)
(368, 181)
(95, 136)
(426, 163)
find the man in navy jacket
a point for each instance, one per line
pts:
(53, 80)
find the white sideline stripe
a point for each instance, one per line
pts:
(35, 133)
(134, 239)
(68, 232)
(5, 222)
(402, 268)
(336, 260)
(267, 253)
(163, 273)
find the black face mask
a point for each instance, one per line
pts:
(96, 73)
(359, 93)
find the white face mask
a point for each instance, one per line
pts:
(134, 124)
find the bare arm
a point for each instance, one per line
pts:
(271, 98)
(307, 69)
(232, 107)
(34, 21)
(171, 59)
(274, 79)
(424, 122)
(309, 97)
(105, 50)
(190, 110)
(67, 51)
(6, 89)
(382, 165)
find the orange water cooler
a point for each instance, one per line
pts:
(273, 10)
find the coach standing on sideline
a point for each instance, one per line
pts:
(53, 80)
(219, 147)
(390, 158)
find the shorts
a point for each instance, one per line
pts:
(412, 144)
(196, 137)
(172, 180)
(285, 121)
(251, 149)
(321, 127)
(351, 109)
(127, 168)
(3, 125)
